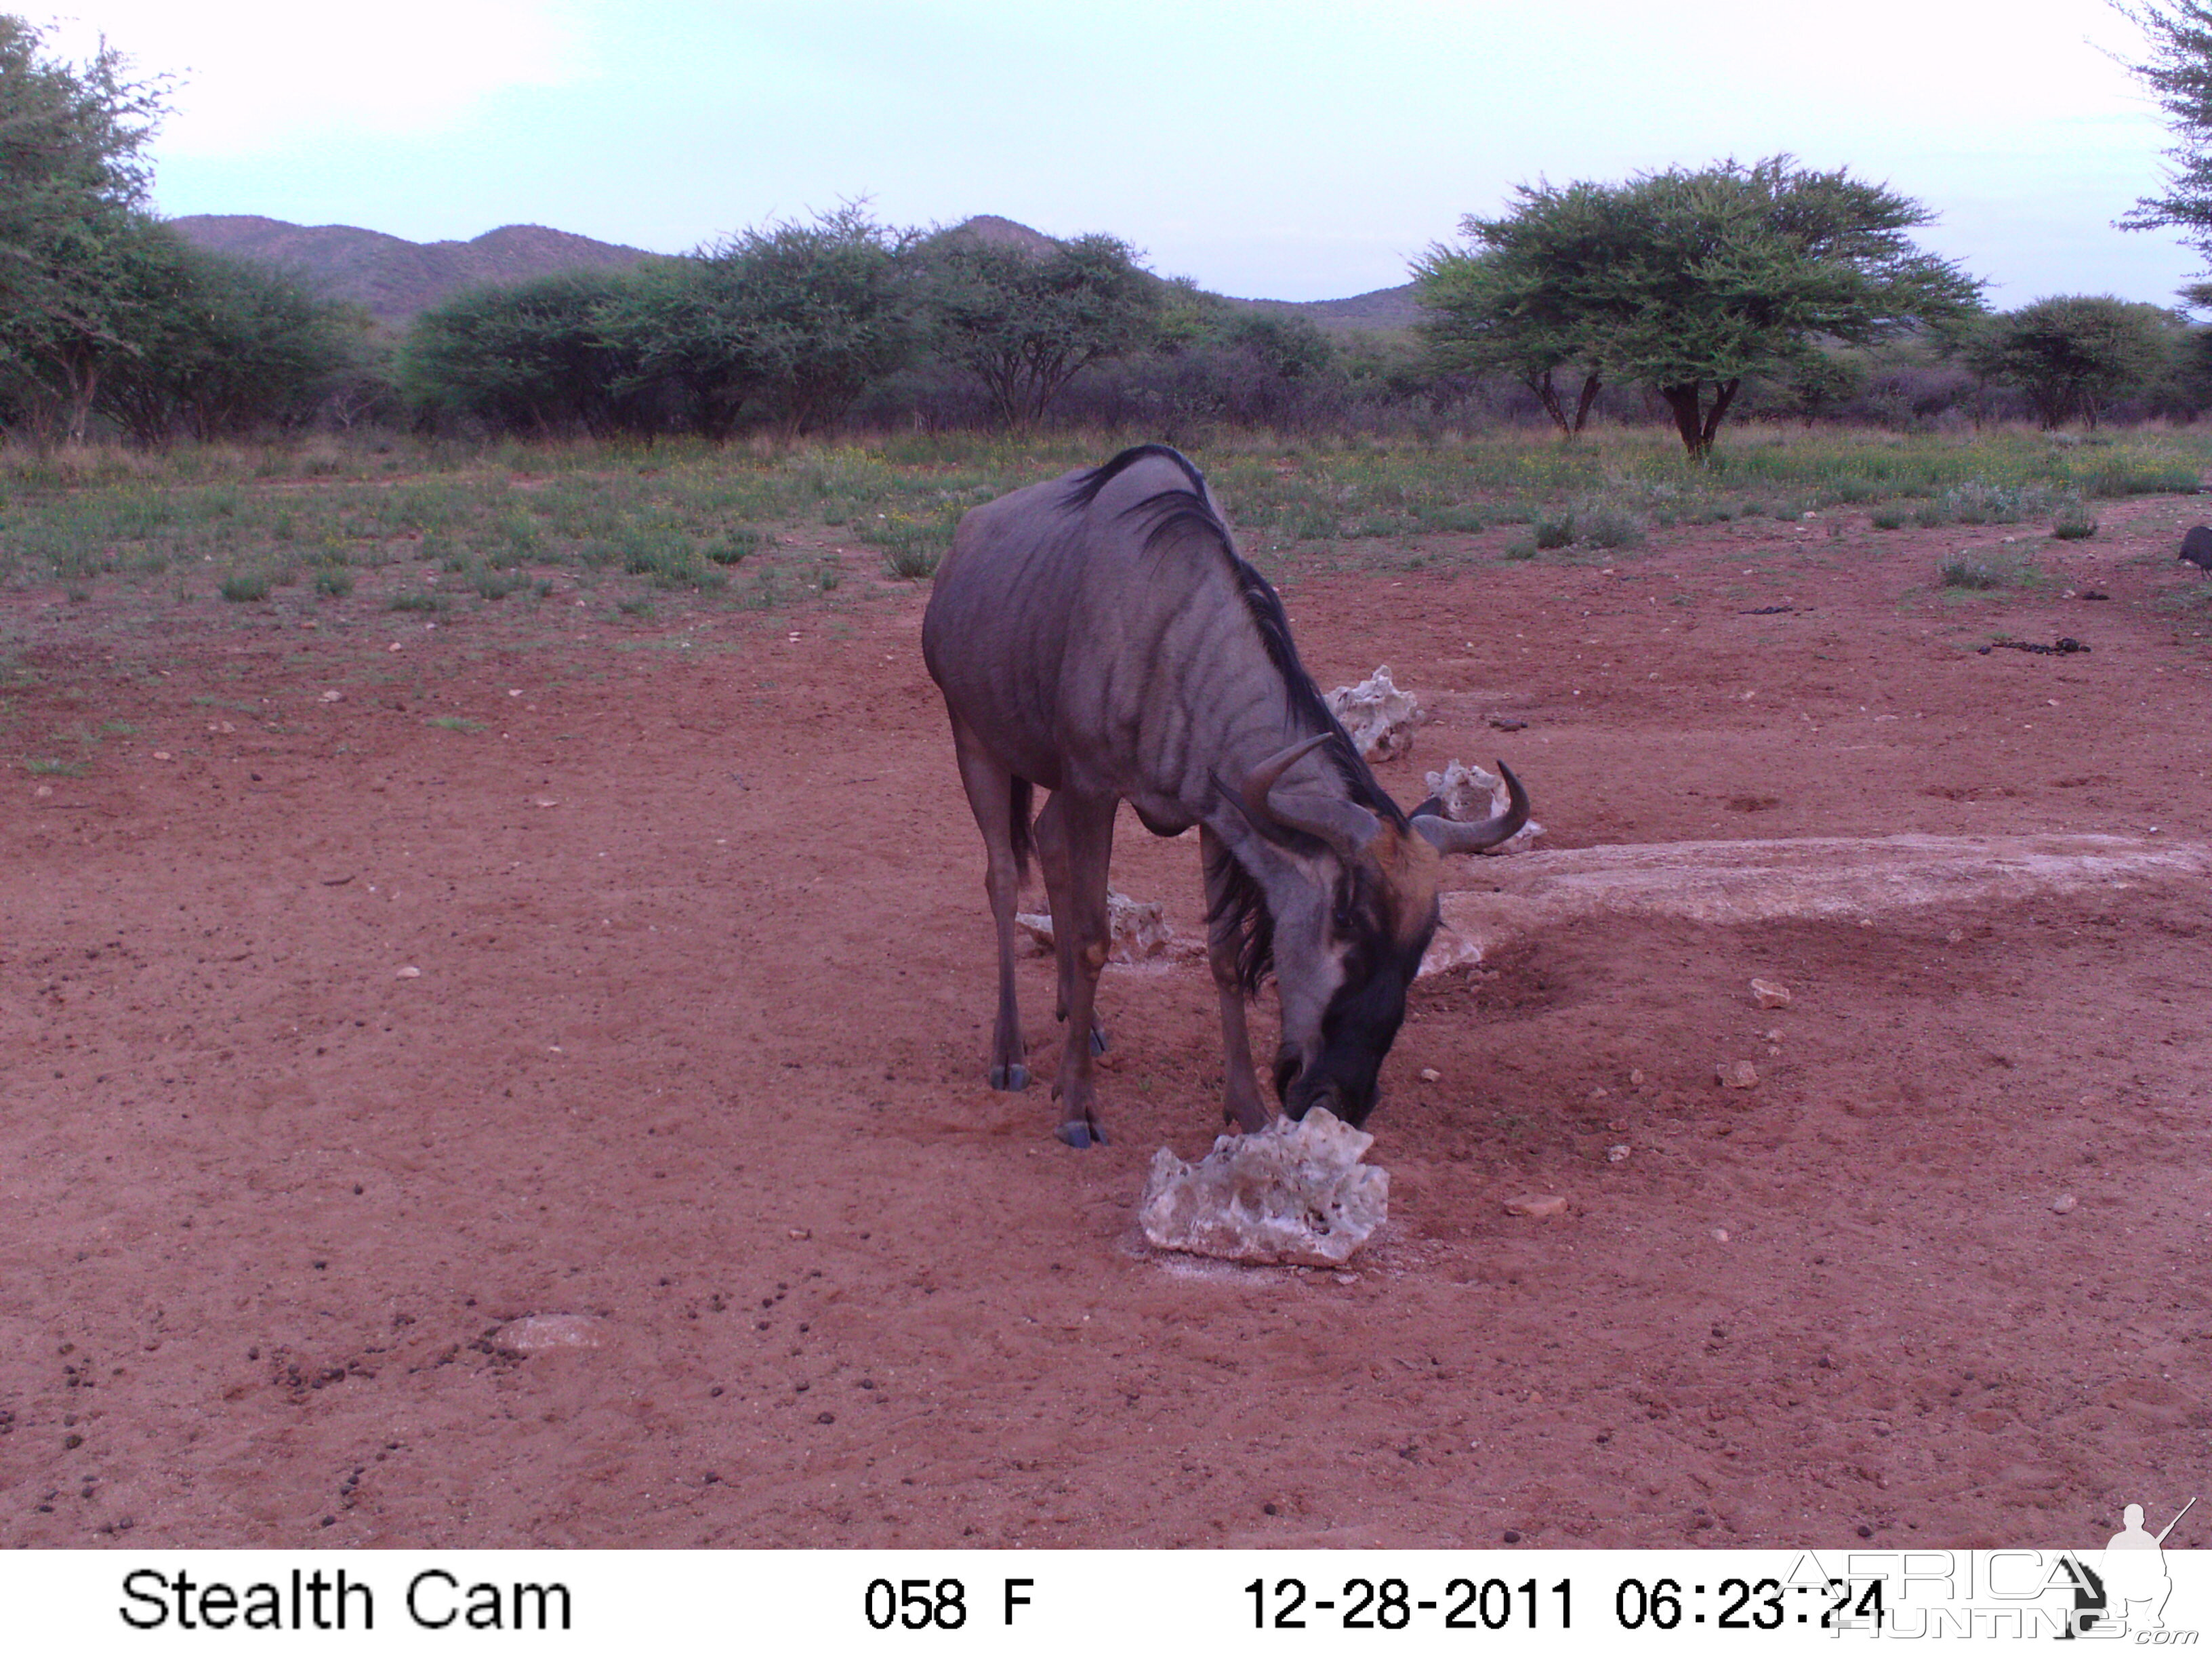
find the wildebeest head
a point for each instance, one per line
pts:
(1350, 928)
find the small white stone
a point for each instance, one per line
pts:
(1736, 1074)
(333, 696)
(1617, 1154)
(409, 972)
(1770, 993)
(536, 1332)
(1538, 1207)
(1636, 1078)
(1430, 1074)
(2064, 1204)
(1720, 1235)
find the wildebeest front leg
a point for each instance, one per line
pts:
(1075, 844)
(990, 796)
(1241, 1103)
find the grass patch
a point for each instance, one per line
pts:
(689, 514)
(431, 603)
(47, 767)
(1608, 527)
(2073, 524)
(912, 547)
(733, 547)
(334, 581)
(1972, 573)
(456, 723)
(245, 587)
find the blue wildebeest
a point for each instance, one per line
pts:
(1099, 637)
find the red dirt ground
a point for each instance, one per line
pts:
(696, 1046)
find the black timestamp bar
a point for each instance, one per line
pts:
(1391, 1604)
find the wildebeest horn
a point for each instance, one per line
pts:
(1344, 825)
(1447, 836)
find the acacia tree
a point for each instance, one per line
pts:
(2179, 72)
(2072, 353)
(534, 357)
(222, 345)
(1510, 302)
(786, 324)
(72, 184)
(1688, 282)
(1028, 322)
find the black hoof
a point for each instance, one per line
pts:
(1081, 1135)
(1098, 1039)
(1010, 1079)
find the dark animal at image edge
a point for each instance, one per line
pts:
(2197, 547)
(1099, 637)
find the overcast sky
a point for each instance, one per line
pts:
(1274, 149)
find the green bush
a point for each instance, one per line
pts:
(736, 545)
(2074, 524)
(912, 547)
(245, 587)
(1554, 530)
(334, 581)
(1888, 518)
(1969, 573)
(1609, 527)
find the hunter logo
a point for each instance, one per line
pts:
(2131, 1583)
(2118, 1593)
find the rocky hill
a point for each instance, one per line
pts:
(393, 278)
(1382, 309)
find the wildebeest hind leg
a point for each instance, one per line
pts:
(991, 797)
(1075, 844)
(1241, 1103)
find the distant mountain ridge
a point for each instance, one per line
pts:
(1378, 308)
(395, 278)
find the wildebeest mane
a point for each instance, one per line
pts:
(1171, 515)
(1085, 488)
(1239, 917)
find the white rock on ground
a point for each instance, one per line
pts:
(1379, 717)
(1293, 1193)
(1139, 926)
(1472, 793)
(536, 1333)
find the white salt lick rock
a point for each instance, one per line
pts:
(1293, 1193)
(1377, 716)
